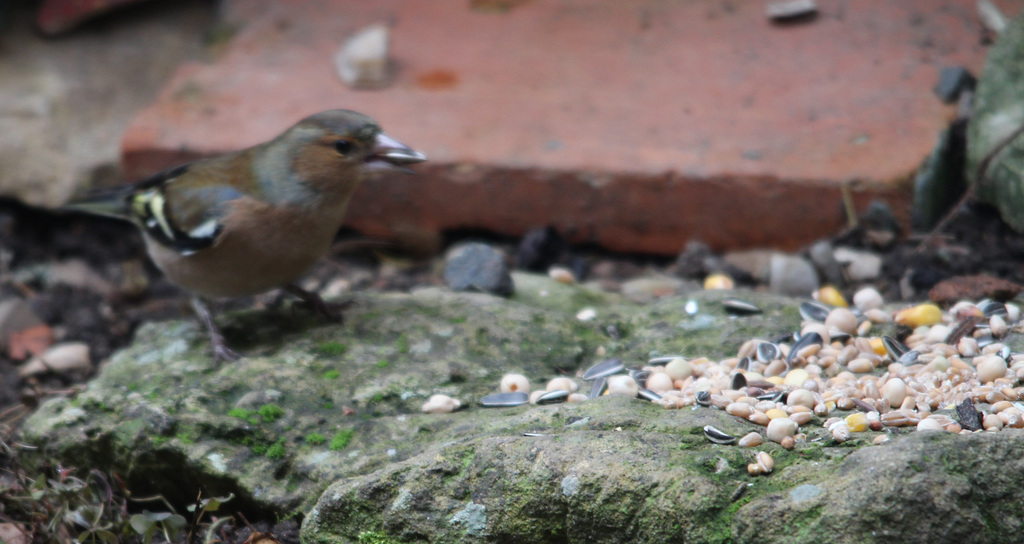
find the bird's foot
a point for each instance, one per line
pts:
(221, 352)
(313, 301)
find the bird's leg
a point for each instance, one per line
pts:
(316, 303)
(221, 351)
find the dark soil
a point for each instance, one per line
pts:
(32, 241)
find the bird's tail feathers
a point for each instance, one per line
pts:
(104, 202)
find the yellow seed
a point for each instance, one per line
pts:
(831, 296)
(719, 281)
(777, 380)
(922, 314)
(796, 377)
(858, 422)
(776, 413)
(877, 346)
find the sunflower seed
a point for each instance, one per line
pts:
(703, 398)
(814, 311)
(663, 360)
(505, 400)
(553, 397)
(739, 381)
(808, 339)
(598, 388)
(744, 364)
(894, 347)
(648, 395)
(604, 368)
(639, 375)
(717, 436)
(736, 306)
(909, 357)
(991, 308)
(767, 351)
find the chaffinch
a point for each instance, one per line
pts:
(253, 220)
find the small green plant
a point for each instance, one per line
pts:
(315, 439)
(332, 349)
(276, 450)
(341, 439)
(242, 413)
(332, 375)
(270, 413)
(382, 364)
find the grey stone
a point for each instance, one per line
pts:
(477, 267)
(792, 275)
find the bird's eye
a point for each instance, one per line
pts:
(344, 147)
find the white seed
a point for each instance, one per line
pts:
(563, 384)
(659, 382)
(536, 395)
(440, 404)
(800, 397)
(990, 367)
(842, 319)
(765, 462)
(860, 365)
(868, 298)
(895, 391)
(753, 469)
(511, 383)
(678, 369)
(740, 409)
(930, 424)
(997, 326)
(968, 347)
(801, 418)
(622, 385)
(780, 428)
(878, 316)
(880, 439)
(751, 440)
(577, 397)
(840, 431)
(992, 422)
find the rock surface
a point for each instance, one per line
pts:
(324, 421)
(65, 103)
(998, 112)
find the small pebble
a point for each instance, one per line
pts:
(562, 275)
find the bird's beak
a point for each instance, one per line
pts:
(390, 154)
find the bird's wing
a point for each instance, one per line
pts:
(182, 208)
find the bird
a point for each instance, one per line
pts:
(249, 221)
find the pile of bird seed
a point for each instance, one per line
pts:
(952, 360)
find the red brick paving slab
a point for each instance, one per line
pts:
(636, 125)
